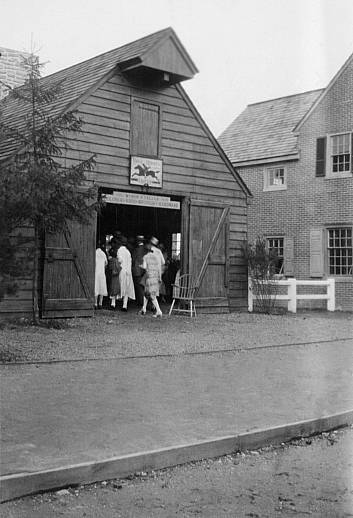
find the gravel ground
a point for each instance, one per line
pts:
(307, 477)
(114, 334)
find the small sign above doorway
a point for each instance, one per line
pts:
(143, 200)
(146, 172)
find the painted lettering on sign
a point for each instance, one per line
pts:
(146, 171)
(144, 200)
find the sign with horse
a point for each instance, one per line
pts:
(146, 172)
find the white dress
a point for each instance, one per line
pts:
(100, 284)
(125, 276)
(158, 253)
(152, 265)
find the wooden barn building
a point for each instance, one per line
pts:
(162, 169)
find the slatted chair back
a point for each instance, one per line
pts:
(184, 290)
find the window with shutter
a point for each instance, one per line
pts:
(339, 160)
(145, 129)
(340, 251)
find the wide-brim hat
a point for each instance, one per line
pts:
(140, 238)
(154, 241)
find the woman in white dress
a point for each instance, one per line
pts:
(100, 284)
(127, 290)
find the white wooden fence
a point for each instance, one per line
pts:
(292, 296)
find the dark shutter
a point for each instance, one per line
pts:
(320, 156)
(145, 123)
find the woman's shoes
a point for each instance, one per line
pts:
(142, 312)
(158, 314)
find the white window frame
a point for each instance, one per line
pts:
(268, 238)
(349, 273)
(176, 244)
(329, 166)
(274, 187)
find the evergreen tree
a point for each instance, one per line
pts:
(36, 186)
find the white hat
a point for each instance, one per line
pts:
(154, 241)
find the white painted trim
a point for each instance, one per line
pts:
(292, 295)
(339, 174)
(327, 249)
(266, 184)
(271, 160)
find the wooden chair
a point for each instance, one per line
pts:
(184, 291)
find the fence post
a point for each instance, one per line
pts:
(292, 294)
(331, 294)
(250, 296)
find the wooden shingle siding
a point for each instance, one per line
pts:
(192, 165)
(21, 302)
(104, 91)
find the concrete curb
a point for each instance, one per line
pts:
(20, 484)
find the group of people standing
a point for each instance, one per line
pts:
(129, 272)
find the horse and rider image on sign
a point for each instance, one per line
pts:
(146, 171)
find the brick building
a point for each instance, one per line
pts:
(12, 71)
(296, 156)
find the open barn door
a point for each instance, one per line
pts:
(68, 276)
(208, 254)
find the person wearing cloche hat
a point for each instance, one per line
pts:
(151, 264)
(154, 247)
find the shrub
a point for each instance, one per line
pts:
(262, 268)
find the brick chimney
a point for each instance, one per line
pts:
(12, 71)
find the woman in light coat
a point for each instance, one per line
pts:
(127, 290)
(100, 282)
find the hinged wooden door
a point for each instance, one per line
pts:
(68, 276)
(208, 252)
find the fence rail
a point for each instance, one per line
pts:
(292, 296)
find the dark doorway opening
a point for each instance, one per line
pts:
(134, 220)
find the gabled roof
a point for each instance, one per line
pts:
(264, 130)
(78, 79)
(325, 92)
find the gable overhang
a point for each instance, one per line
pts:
(151, 75)
(167, 60)
(266, 160)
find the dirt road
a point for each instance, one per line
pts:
(309, 477)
